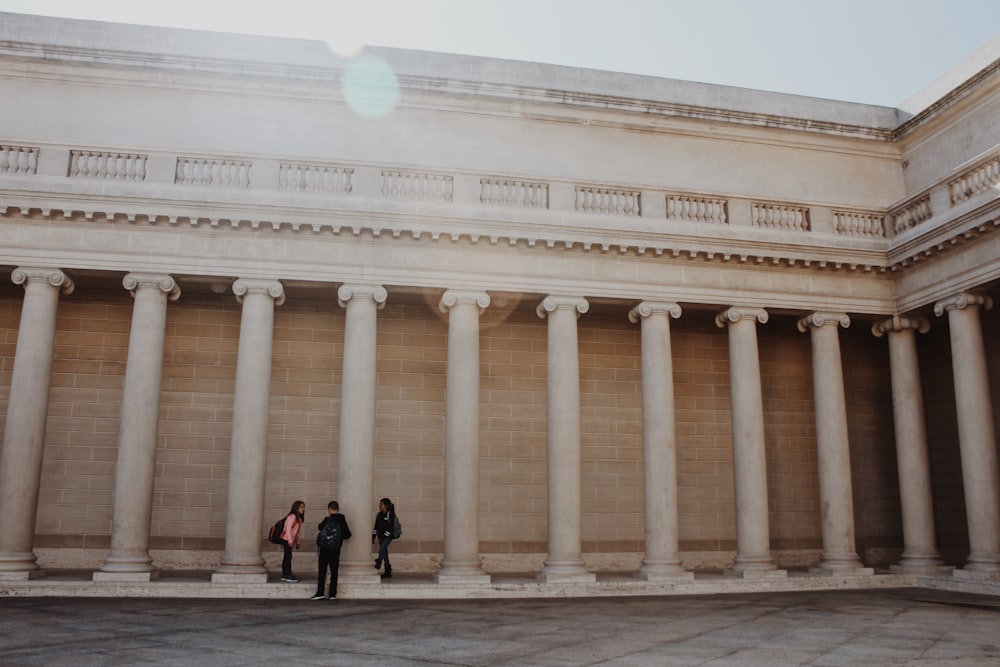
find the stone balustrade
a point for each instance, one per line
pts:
(18, 159)
(696, 209)
(971, 181)
(417, 186)
(107, 166)
(220, 173)
(519, 194)
(315, 178)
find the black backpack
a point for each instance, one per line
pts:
(331, 535)
(274, 535)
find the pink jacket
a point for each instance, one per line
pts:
(291, 532)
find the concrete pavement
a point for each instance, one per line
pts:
(906, 626)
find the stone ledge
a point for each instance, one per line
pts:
(423, 587)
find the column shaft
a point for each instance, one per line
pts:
(129, 558)
(833, 452)
(659, 444)
(242, 560)
(356, 471)
(976, 433)
(920, 552)
(461, 453)
(565, 558)
(27, 411)
(753, 540)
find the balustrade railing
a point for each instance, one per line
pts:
(220, 173)
(107, 166)
(696, 209)
(976, 180)
(315, 178)
(607, 201)
(855, 223)
(414, 185)
(779, 216)
(522, 194)
(912, 214)
(18, 159)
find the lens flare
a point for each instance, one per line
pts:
(370, 86)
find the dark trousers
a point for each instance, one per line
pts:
(286, 561)
(328, 558)
(383, 552)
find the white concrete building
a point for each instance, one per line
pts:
(572, 322)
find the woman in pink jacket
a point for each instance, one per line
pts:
(293, 526)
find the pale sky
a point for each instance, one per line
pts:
(871, 51)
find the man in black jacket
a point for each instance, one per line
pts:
(333, 531)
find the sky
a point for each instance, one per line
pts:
(870, 51)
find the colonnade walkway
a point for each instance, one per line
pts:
(895, 626)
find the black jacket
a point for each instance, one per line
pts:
(383, 526)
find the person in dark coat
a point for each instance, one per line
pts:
(383, 533)
(329, 557)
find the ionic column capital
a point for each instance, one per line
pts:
(551, 304)
(161, 281)
(817, 319)
(271, 288)
(898, 323)
(961, 301)
(737, 314)
(54, 277)
(650, 308)
(452, 298)
(376, 293)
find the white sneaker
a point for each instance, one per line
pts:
(318, 596)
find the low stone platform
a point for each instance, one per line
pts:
(188, 584)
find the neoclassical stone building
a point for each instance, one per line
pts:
(571, 322)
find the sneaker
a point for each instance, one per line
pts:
(290, 579)
(318, 596)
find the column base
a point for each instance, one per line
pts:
(656, 574)
(565, 571)
(471, 579)
(982, 564)
(921, 568)
(773, 573)
(100, 575)
(22, 575)
(755, 567)
(857, 571)
(976, 575)
(239, 578)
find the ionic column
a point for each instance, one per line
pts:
(461, 560)
(753, 539)
(920, 552)
(129, 558)
(356, 470)
(27, 410)
(659, 443)
(976, 435)
(242, 561)
(833, 454)
(565, 558)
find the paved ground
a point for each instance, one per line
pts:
(885, 627)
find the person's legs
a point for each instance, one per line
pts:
(286, 562)
(324, 562)
(383, 554)
(334, 560)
